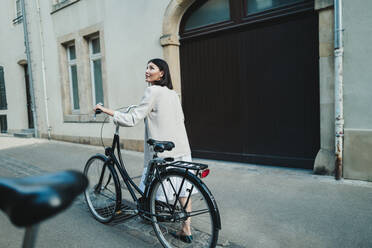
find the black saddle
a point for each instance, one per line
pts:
(161, 146)
(30, 200)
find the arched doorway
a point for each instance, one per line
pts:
(250, 80)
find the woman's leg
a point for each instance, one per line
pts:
(186, 228)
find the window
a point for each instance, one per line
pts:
(212, 11)
(254, 6)
(61, 4)
(3, 103)
(208, 16)
(74, 88)
(96, 70)
(82, 74)
(18, 12)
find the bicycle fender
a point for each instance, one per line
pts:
(100, 155)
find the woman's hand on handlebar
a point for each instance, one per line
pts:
(98, 106)
(103, 109)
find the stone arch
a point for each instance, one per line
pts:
(170, 38)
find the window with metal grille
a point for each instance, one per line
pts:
(18, 12)
(3, 103)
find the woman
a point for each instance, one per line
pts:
(161, 110)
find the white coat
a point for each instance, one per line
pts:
(161, 109)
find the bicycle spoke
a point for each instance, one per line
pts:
(172, 217)
(102, 195)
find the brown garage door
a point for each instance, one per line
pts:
(250, 89)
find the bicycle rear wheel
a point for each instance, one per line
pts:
(103, 195)
(169, 216)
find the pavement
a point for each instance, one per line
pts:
(260, 206)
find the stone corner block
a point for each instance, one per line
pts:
(322, 4)
(357, 154)
(169, 39)
(324, 163)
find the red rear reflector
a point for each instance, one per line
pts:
(204, 173)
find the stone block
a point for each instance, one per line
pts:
(326, 91)
(324, 162)
(357, 154)
(84, 140)
(133, 145)
(321, 4)
(325, 49)
(326, 33)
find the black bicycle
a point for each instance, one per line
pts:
(167, 184)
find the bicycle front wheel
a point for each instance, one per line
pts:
(195, 210)
(103, 194)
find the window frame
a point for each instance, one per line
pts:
(72, 62)
(94, 57)
(57, 5)
(196, 6)
(239, 17)
(276, 11)
(18, 12)
(81, 39)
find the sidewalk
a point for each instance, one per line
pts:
(260, 206)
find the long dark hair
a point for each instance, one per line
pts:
(165, 80)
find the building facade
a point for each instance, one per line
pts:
(256, 77)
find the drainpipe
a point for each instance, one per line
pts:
(43, 67)
(29, 68)
(339, 108)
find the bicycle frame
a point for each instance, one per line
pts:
(132, 187)
(110, 152)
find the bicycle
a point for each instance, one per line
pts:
(160, 202)
(30, 200)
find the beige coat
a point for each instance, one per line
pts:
(161, 109)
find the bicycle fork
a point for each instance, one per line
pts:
(98, 187)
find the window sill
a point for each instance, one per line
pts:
(85, 119)
(62, 5)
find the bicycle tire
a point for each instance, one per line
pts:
(105, 202)
(205, 219)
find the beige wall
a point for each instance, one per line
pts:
(127, 43)
(131, 33)
(357, 19)
(11, 52)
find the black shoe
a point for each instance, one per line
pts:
(183, 238)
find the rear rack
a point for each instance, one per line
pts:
(188, 165)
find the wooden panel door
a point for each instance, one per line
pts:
(252, 93)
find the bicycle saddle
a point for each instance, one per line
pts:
(30, 200)
(161, 146)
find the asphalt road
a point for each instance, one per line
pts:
(260, 206)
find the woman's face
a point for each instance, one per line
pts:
(153, 73)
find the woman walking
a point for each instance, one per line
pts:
(161, 110)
